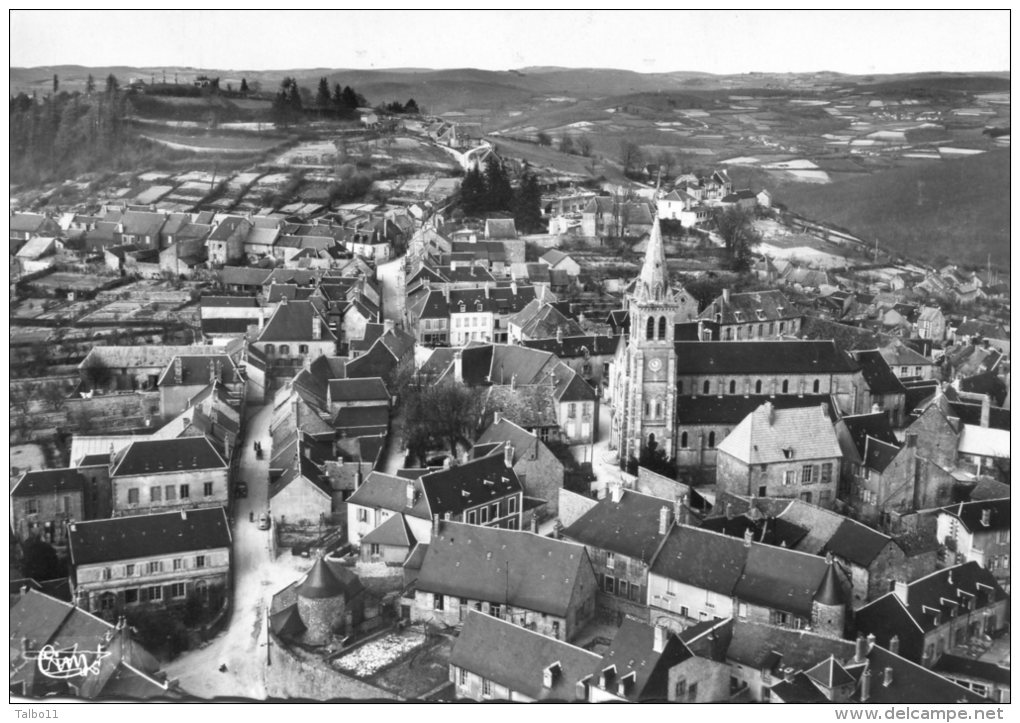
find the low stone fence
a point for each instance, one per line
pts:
(293, 674)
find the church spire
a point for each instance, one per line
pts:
(653, 282)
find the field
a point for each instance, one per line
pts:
(954, 208)
(213, 143)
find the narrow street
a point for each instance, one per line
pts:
(242, 645)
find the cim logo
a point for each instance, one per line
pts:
(69, 662)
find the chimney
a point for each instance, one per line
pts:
(911, 439)
(497, 417)
(486, 287)
(447, 463)
(283, 300)
(894, 644)
(262, 318)
(616, 491)
(458, 367)
(726, 296)
(900, 590)
(446, 293)
(659, 642)
(113, 454)
(387, 326)
(513, 287)
(789, 673)
(212, 371)
(184, 514)
(770, 413)
(986, 410)
(986, 517)
(887, 677)
(435, 528)
(866, 685)
(508, 455)
(559, 334)
(178, 370)
(513, 381)
(748, 536)
(871, 640)
(534, 524)
(316, 327)
(875, 409)
(665, 519)
(410, 493)
(860, 649)
(358, 478)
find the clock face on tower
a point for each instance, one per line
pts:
(654, 364)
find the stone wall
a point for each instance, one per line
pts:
(294, 674)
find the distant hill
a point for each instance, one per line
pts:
(956, 208)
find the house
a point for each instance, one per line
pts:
(755, 315)
(295, 333)
(983, 449)
(556, 259)
(931, 323)
(500, 228)
(454, 317)
(589, 355)
(745, 200)
(857, 434)
(44, 501)
(539, 471)
(326, 603)
(606, 216)
(137, 367)
(301, 495)
(155, 475)
(540, 320)
(988, 675)
(493, 659)
(39, 622)
(151, 561)
(25, 226)
(885, 391)
(226, 316)
(978, 532)
(536, 582)
(622, 533)
(226, 242)
(377, 501)
(186, 376)
(141, 228)
(781, 453)
(924, 619)
(697, 575)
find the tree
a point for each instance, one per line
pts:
(544, 139)
(499, 195)
(349, 100)
(472, 191)
(39, 561)
(322, 97)
(566, 144)
(56, 84)
(90, 85)
(630, 155)
(439, 414)
(244, 86)
(667, 162)
(584, 146)
(53, 394)
(528, 205)
(411, 107)
(736, 228)
(96, 373)
(112, 86)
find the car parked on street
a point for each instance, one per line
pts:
(240, 490)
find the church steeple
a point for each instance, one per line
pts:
(653, 281)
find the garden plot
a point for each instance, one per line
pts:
(376, 655)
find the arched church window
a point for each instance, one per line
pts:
(786, 386)
(817, 386)
(711, 440)
(650, 328)
(733, 386)
(683, 440)
(706, 387)
(662, 327)
(757, 387)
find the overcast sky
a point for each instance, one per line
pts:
(723, 41)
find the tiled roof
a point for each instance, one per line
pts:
(629, 527)
(972, 515)
(857, 543)
(521, 569)
(781, 579)
(770, 435)
(516, 658)
(700, 558)
(632, 652)
(140, 536)
(732, 408)
(751, 308)
(293, 321)
(167, 455)
(468, 485)
(358, 390)
(387, 492)
(142, 223)
(394, 532)
(761, 357)
(360, 421)
(49, 482)
(874, 424)
(877, 374)
(506, 431)
(756, 645)
(575, 347)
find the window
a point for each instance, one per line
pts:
(200, 561)
(711, 440)
(786, 386)
(131, 596)
(284, 350)
(825, 497)
(692, 692)
(170, 492)
(202, 588)
(826, 473)
(178, 564)
(790, 477)
(185, 492)
(486, 686)
(609, 584)
(270, 349)
(156, 494)
(805, 497)
(484, 515)
(806, 474)
(650, 328)
(32, 506)
(742, 610)
(373, 548)
(1002, 537)
(782, 327)
(705, 387)
(133, 496)
(622, 588)
(107, 601)
(680, 690)
(763, 491)
(683, 440)
(462, 676)
(177, 590)
(733, 386)
(155, 566)
(303, 349)
(610, 560)
(129, 570)
(105, 573)
(817, 386)
(757, 387)
(494, 511)
(437, 602)
(572, 410)
(66, 505)
(662, 327)
(207, 489)
(512, 506)
(154, 593)
(495, 610)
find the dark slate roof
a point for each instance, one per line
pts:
(468, 485)
(857, 543)
(522, 441)
(151, 456)
(378, 361)
(358, 390)
(998, 418)
(360, 421)
(911, 683)
(798, 690)
(227, 227)
(767, 530)
(388, 492)
(394, 532)
(243, 276)
(521, 569)
(758, 645)
(49, 482)
(572, 347)
(196, 370)
(761, 357)
(830, 673)
(208, 301)
(516, 657)
(971, 514)
(875, 425)
(629, 527)
(700, 558)
(293, 322)
(879, 455)
(326, 581)
(781, 579)
(632, 651)
(142, 223)
(877, 374)
(988, 383)
(139, 536)
(751, 308)
(732, 408)
(959, 666)
(227, 326)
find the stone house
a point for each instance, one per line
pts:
(226, 242)
(157, 475)
(885, 392)
(185, 376)
(781, 453)
(44, 501)
(150, 561)
(753, 315)
(301, 495)
(978, 532)
(538, 469)
(536, 582)
(295, 333)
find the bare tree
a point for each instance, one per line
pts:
(630, 155)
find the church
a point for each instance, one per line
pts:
(655, 374)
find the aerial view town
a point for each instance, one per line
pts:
(526, 379)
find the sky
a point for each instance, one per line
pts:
(720, 41)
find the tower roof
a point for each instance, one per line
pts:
(653, 271)
(321, 582)
(829, 592)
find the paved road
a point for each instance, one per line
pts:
(256, 577)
